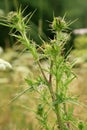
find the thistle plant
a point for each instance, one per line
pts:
(52, 84)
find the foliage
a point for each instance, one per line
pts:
(45, 10)
(52, 84)
(80, 42)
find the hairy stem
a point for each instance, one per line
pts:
(42, 71)
(56, 106)
(64, 106)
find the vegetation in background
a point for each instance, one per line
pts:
(80, 42)
(45, 10)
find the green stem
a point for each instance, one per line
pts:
(58, 115)
(57, 106)
(42, 71)
(64, 106)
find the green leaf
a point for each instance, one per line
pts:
(80, 125)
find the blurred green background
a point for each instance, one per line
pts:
(45, 10)
(17, 115)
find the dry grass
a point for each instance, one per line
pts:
(16, 117)
(79, 88)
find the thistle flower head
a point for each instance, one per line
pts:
(59, 24)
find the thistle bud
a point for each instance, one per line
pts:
(58, 24)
